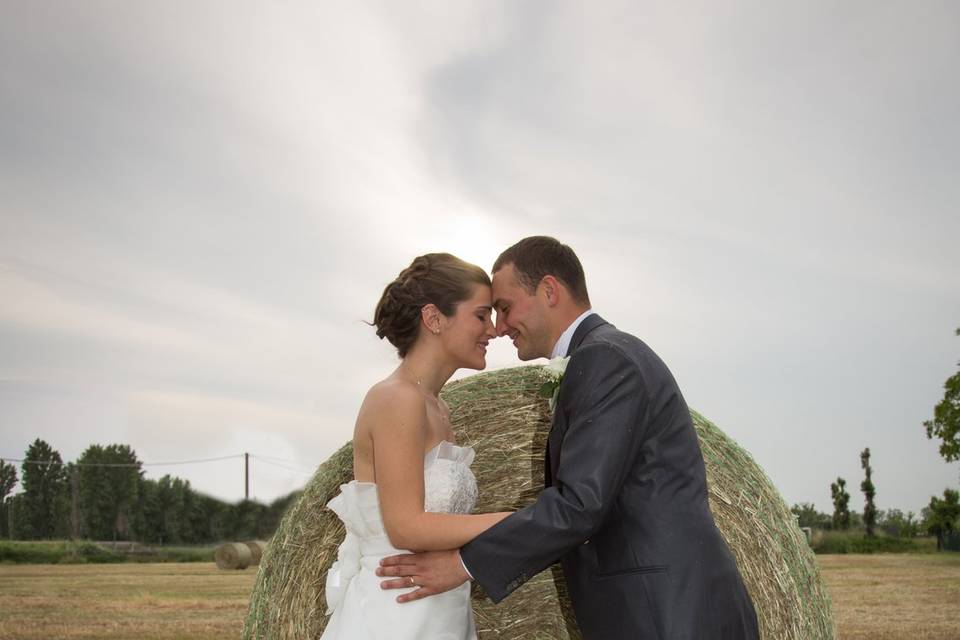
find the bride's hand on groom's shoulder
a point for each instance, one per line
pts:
(432, 572)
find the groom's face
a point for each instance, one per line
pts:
(521, 316)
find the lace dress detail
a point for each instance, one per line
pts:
(361, 609)
(449, 485)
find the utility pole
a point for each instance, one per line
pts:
(246, 476)
(75, 504)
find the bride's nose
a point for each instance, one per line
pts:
(489, 330)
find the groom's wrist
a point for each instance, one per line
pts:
(464, 565)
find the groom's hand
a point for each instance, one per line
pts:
(433, 571)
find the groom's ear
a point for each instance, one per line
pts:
(551, 289)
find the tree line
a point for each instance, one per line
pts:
(103, 495)
(940, 518)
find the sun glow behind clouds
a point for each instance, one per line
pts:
(471, 237)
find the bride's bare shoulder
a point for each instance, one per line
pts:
(392, 409)
(394, 394)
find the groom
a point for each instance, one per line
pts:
(625, 505)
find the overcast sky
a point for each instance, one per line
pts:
(201, 202)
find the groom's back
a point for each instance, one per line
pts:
(658, 548)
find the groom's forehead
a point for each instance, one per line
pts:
(504, 277)
(503, 287)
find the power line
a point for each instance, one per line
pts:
(275, 464)
(264, 459)
(49, 463)
(270, 460)
(274, 459)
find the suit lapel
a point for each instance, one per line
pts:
(558, 426)
(589, 323)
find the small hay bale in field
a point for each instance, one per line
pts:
(502, 416)
(233, 555)
(256, 551)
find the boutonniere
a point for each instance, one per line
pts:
(554, 371)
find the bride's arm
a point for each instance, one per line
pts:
(399, 435)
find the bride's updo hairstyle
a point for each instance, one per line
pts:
(435, 278)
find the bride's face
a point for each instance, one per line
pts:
(468, 331)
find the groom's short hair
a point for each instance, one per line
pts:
(538, 256)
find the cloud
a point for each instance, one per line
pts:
(764, 130)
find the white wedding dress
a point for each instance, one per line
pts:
(364, 611)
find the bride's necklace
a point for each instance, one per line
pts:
(425, 391)
(434, 399)
(435, 402)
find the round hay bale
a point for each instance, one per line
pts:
(256, 551)
(502, 416)
(233, 555)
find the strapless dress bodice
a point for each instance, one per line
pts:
(449, 487)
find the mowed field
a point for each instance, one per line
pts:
(886, 596)
(133, 601)
(879, 597)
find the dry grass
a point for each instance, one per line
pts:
(880, 597)
(142, 601)
(887, 596)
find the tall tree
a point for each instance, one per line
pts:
(172, 502)
(44, 491)
(869, 491)
(943, 515)
(946, 419)
(109, 479)
(841, 504)
(16, 526)
(147, 520)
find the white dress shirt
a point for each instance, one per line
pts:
(560, 349)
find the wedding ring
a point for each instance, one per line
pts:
(412, 582)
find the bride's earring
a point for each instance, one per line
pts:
(430, 318)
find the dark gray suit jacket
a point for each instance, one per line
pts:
(625, 506)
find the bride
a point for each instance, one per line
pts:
(413, 487)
